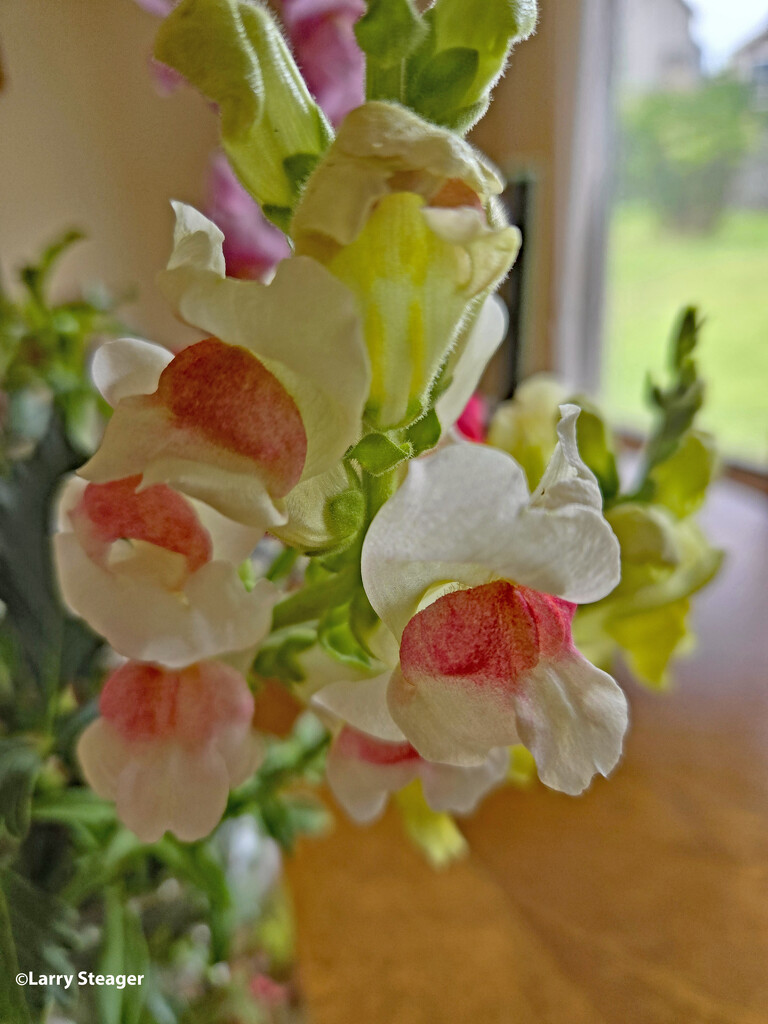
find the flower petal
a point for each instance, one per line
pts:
(483, 340)
(567, 479)
(362, 772)
(449, 521)
(128, 366)
(450, 788)
(361, 703)
(292, 342)
(103, 755)
(140, 620)
(572, 717)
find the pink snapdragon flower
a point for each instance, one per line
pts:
(480, 652)
(252, 246)
(323, 39)
(170, 745)
(472, 422)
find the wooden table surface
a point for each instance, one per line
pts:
(643, 902)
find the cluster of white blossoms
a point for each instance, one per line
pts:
(319, 408)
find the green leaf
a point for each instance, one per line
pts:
(13, 1005)
(75, 805)
(34, 616)
(43, 930)
(681, 481)
(424, 433)
(19, 765)
(676, 406)
(389, 31)
(377, 453)
(271, 129)
(124, 951)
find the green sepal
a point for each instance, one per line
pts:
(487, 29)
(595, 445)
(278, 657)
(435, 834)
(440, 86)
(271, 129)
(424, 433)
(337, 638)
(377, 453)
(680, 482)
(389, 31)
(345, 513)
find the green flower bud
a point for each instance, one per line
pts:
(271, 129)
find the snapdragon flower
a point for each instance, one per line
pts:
(239, 419)
(476, 581)
(156, 574)
(170, 745)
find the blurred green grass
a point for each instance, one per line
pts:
(651, 274)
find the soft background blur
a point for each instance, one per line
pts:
(642, 178)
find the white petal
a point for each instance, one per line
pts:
(232, 542)
(269, 321)
(102, 755)
(567, 479)
(139, 439)
(166, 788)
(453, 721)
(450, 788)
(450, 520)
(484, 338)
(143, 621)
(242, 751)
(363, 705)
(572, 717)
(361, 787)
(128, 366)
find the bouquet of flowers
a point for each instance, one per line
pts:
(290, 498)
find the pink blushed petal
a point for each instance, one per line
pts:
(572, 717)
(462, 664)
(157, 515)
(362, 772)
(147, 702)
(213, 614)
(252, 246)
(225, 394)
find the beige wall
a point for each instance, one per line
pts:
(86, 141)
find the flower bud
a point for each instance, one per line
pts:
(272, 130)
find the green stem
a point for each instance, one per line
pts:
(311, 601)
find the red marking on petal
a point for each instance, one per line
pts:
(157, 515)
(454, 192)
(148, 702)
(489, 634)
(223, 393)
(362, 747)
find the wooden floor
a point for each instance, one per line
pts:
(644, 902)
